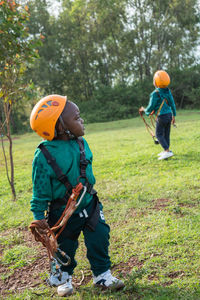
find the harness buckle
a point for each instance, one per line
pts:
(84, 162)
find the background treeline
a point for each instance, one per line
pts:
(102, 54)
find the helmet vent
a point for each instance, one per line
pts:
(49, 102)
(55, 103)
(46, 133)
(39, 111)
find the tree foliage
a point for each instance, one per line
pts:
(99, 43)
(100, 51)
(162, 34)
(16, 49)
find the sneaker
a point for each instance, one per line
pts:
(66, 289)
(161, 153)
(106, 281)
(166, 155)
(57, 279)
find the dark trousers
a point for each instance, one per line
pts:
(163, 125)
(96, 242)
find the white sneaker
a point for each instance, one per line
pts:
(66, 289)
(57, 279)
(161, 153)
(106, 281)
(166, 155)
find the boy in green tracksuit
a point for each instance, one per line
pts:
(161, 103)
(58, 121)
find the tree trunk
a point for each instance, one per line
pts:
(7, 110)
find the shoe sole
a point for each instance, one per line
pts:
(159, 158)
(117, 286)
(63, 294)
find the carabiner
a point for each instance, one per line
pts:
(82, 195)
(63, 255)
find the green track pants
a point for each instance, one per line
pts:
(97, 242)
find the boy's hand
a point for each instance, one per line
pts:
(173, 120)
(41, 225)
(41, 232)
(141, 109)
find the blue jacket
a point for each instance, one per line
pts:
(156, 100)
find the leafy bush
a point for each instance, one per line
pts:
(185, 85)
(114, 103)
(121, 101)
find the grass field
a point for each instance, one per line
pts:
(152, 207)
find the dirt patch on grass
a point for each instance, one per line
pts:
(133, 212)
(168, 283)
(176, 274)
(27, 276)
(188, 204)
(161, 203)
(153, 276)
(125, 268)
(34, 274)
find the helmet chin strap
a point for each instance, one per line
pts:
(70, 135)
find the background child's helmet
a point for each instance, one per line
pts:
(161, 79)
(45, 115)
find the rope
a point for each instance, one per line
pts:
(152, 119)
(46, 235)
(69, 209)
(148, 127)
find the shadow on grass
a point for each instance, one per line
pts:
(134, 291)
(159, 292)
(186, 157)
(153, 290)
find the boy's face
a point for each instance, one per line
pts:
(72, 120)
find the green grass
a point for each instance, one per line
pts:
(154, 243)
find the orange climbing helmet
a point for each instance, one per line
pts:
(161, 79)
(45, 115)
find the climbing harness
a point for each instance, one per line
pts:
(166, 101)
(49, 236)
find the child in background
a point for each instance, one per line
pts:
(58, 121)
(161, 103)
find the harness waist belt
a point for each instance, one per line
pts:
(90, 222)
(59, 202)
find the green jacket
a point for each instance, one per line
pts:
(155, 102)
(46, 186)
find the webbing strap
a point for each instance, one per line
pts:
(83, 165)
(163, 101)
(94, 215)
(52, 162)
(83, 161)
(61, 176)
